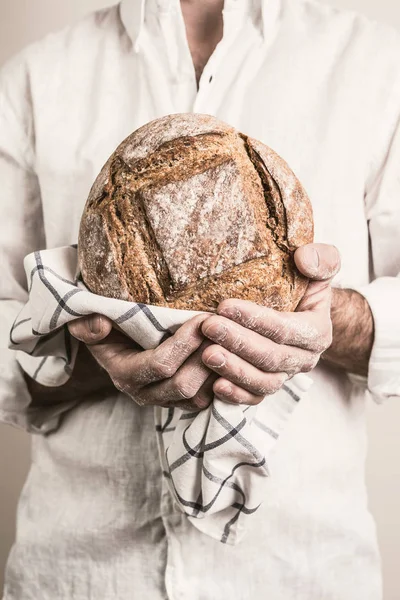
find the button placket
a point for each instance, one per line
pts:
(179, 60)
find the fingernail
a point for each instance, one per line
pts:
(94, 323)
(216, 360)
(216, 332)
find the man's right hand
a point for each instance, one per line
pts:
(172, 374)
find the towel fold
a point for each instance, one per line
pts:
(215, 461)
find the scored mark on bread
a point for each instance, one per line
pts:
(172, 161)
(277, 220)
(194, 212)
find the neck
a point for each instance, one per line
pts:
(204, 29)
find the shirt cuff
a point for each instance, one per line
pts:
(383, 296)
(16, 405)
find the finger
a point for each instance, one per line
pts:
(115, 347)
(90, 329)
(205, 395)
(200, 401)
(256, 349)
(184, 385)
(317, 299)
(232, 394)
(292, 329)
(243, 374)
(133, 370)
(319, 262)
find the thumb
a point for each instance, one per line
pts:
(91, 329)
(320, 263)
(317, 261)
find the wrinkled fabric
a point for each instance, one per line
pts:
(322, 88)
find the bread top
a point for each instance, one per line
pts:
(186, 198)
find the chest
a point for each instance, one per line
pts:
(289, 108)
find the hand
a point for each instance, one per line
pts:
(256, 349)
(87, 379)
(171, 375)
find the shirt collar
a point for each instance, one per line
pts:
(133, 14)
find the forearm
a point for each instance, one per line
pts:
(87, 378)
(353, 332)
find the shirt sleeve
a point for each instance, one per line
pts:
(383, 293)
(21, 232)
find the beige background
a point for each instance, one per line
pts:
(22, 21)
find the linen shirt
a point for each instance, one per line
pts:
(321, 87)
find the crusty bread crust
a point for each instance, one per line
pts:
(187, 212)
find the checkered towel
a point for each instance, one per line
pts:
(214, 461)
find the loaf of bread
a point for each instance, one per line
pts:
(187, 212)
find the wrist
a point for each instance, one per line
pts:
(88, 377)
(352, 332)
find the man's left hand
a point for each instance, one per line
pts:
(256, 349)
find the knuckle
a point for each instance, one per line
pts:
(182, 346)
(291, 363)
(311, 363)
(280, 332)
(308, 336)
(265, 361)
(183, 388)
(274, 384)
(164, 370)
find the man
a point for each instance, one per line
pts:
(322, 88)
